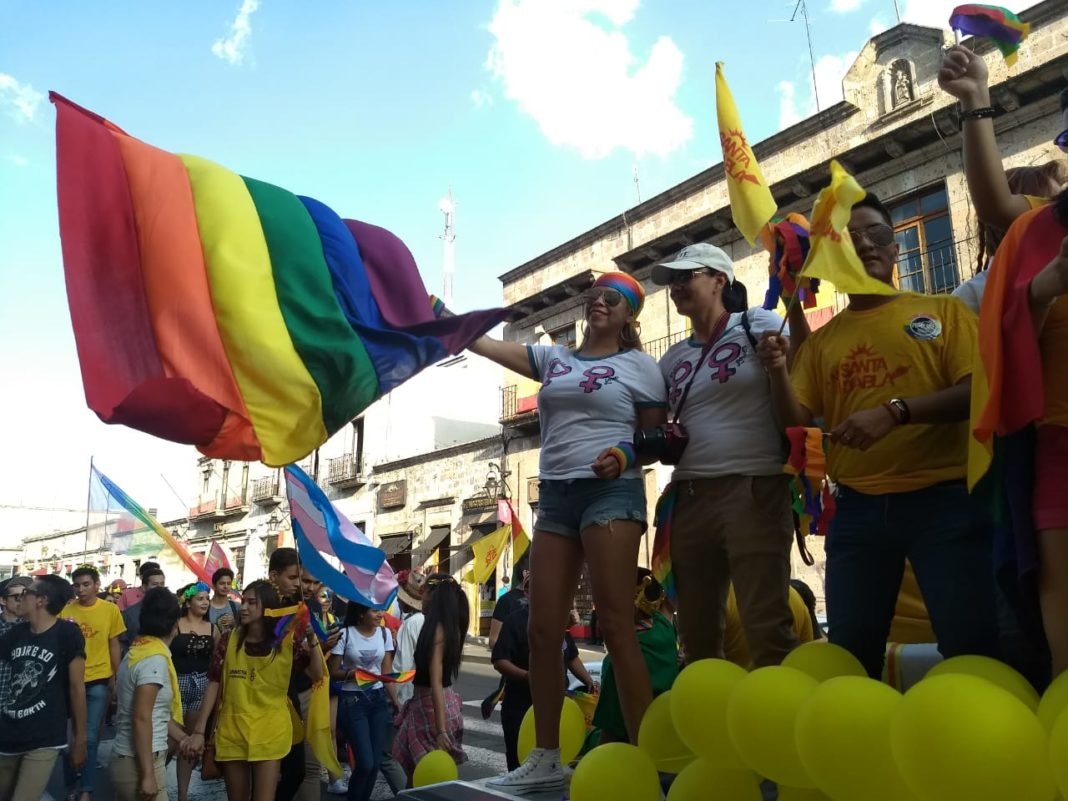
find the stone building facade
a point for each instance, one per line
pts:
(895, 131)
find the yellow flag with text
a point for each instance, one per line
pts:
(488, 552)
(831, 255)
(751, 202)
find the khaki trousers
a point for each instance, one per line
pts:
(24, 777)
(736, 528)
(125, 778)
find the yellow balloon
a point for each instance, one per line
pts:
(823, 660)
(1054, 702)
(572, 732)
(801, 794)
(761, 716)
(618, 771)
(983, 667)
(657, 737)
(699, 710)
(435, 767)
(843, 737)
(961, 737)
(702, 781)
(1058, 752)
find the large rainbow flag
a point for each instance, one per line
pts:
(1005, 29)
(224, 312)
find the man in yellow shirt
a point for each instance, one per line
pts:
(891, 377)
(101, 624)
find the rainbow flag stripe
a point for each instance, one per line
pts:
(365, 677)
(999, 24)
(221, 311)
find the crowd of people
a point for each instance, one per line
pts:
(246, 689)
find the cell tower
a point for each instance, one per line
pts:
(448, 208)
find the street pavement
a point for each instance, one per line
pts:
(483, 743)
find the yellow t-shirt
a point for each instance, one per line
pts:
(736, 647)
(99, 624)
(913, 345)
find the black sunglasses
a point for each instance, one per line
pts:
(879, 235)
(1062, 141)
(685, 276)
(611, 297)
(14, 596)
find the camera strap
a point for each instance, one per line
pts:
(717, 332)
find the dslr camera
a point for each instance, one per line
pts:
(664, 443)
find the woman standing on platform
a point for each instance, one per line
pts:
(592, 506)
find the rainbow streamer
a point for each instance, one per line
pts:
(998, 24)
(295, 619)
(365, 677)
(787, 241)
(663, 518)
(807, 463)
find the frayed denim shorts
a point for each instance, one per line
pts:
(569, 506)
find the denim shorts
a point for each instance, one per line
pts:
(570, 506)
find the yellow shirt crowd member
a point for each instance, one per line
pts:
(862, 359)
(735, 647)
(100, 623)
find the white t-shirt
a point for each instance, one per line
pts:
(971, 291)
(728, 412)
(589, 404)
(404, 658)
(150, 670)
(357, 651)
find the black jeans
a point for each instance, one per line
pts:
(511, 719)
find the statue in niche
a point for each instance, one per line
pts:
(901, 83)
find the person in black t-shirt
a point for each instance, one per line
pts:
(47, 659)
(511, 658)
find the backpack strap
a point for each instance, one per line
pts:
(748, 328)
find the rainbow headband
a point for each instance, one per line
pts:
(627, 286)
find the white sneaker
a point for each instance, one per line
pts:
(338, 787)
(541, 771)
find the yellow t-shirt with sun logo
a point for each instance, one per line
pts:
(911, 346)
(99, 623)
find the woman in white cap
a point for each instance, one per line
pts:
(732, 514)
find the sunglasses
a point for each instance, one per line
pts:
(1062, 141)
(611, 297)
(879, 235)
(685, 276)
(15, 596)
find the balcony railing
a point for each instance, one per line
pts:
(345, 471)
(516, 410)
(658, 347)
(266, 491)
(233, 505)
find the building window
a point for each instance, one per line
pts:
(565, 336)
(927, 261)
(239, 564)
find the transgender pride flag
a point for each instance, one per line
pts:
(320, 530)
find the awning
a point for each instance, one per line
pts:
(422, 553)
(394, 544)
(472, 538)
(480, 518)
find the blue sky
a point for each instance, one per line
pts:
(535, 111)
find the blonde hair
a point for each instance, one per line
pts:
(630, 337)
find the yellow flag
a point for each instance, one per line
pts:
(831, 256)
(751, 202)
(488, 552)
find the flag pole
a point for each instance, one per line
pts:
(88, 506)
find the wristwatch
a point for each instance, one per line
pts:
(904, 414)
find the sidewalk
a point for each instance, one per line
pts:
(476, 651)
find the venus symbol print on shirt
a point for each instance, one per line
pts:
(595, 376)
(557, 369)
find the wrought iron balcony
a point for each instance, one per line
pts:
(267, 491)
(518, 411)
(345, 471)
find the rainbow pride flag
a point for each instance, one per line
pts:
(663, 519)
(221, 311)
(998, 24)
(365, 677)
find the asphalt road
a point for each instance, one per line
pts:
(482, 741)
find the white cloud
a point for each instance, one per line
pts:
(568, 64)
(845, 6)
(795, 104)
(17, 160)
(935, 13)
(234, 47)
(20, 99)
(877, 25)
(480, 99)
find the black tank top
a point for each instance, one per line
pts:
(191, 653)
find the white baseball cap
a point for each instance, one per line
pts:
(694, 257)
